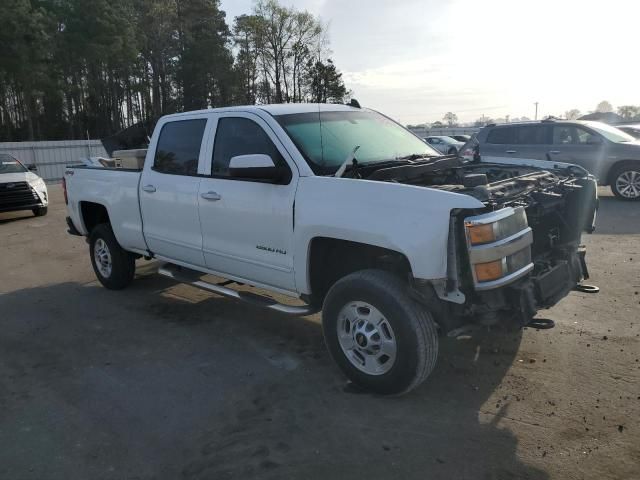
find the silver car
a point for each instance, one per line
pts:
(633, 130)
(612, 155)
(444, 144)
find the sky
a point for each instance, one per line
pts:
(415, 60)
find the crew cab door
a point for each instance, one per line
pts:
(247, 224)
(169, 190)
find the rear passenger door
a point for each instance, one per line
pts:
(499, 142)
(169, 191)
(247, 224)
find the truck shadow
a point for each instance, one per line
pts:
(158, 381)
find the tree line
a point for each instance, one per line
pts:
(76, 68)
(626, 113)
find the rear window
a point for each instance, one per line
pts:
(178, 147)
(501, 135)
(530, 135)
(518, 135)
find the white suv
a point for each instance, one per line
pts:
(20, 188)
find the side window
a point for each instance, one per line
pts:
(530, 135)
(240, 136)
(563, 134)
(571, 135)
(178, 147)
(585, 137)
(501, 136)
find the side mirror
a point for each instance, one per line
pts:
(255, 166)
(593, 140)
(32, 168)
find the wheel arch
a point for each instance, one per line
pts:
(330, 259)
(612, 170)
(93, 214)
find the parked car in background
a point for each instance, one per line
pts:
(444, 144)
(469, 150)
(460, 138)
(20, 188)
(612, 155)
(633, 130)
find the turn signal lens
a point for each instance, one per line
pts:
(486, 272)
(479, 234)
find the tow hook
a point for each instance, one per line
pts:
(586, 288)
(541, 323)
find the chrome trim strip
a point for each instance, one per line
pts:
(491, 217)
(490, 252)
(505, 280)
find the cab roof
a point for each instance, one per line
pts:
(275, 109)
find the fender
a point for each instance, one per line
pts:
(408, 219)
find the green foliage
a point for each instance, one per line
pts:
(72, 68)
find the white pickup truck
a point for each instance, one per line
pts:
(348, 211)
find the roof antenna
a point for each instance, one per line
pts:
(354, 103)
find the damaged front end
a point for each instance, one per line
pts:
(523, 251)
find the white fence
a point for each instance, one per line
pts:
(51, 158)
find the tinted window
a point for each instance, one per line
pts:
(179, 147)
(530, 135)
(501, 136)
(240, 136)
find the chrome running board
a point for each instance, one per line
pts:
(192, 277)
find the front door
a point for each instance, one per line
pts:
(574, 144)
(247, 226)
(169, 192)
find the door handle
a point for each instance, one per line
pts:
(511, 151)
(554, 152)
(149, 188)
(212, 196)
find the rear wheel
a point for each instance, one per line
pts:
(114, 266)
(378, 335)
(625, 182)
(40, 211)
(452, 151)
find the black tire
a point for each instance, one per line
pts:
(633, 167)
(414, 330)
(123, 263)
(452, 151)
(40, 211)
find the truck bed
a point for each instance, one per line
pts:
(117, 190)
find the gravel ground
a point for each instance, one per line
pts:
(166, 381)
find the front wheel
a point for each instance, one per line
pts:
(626, 181)
(378, 335)
(114, 266)
(452, 151)
(40, 211)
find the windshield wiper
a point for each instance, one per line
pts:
(416, 156)
(351, 158)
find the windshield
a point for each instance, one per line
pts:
(612, 134)
(8, 164)
(327, 138)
